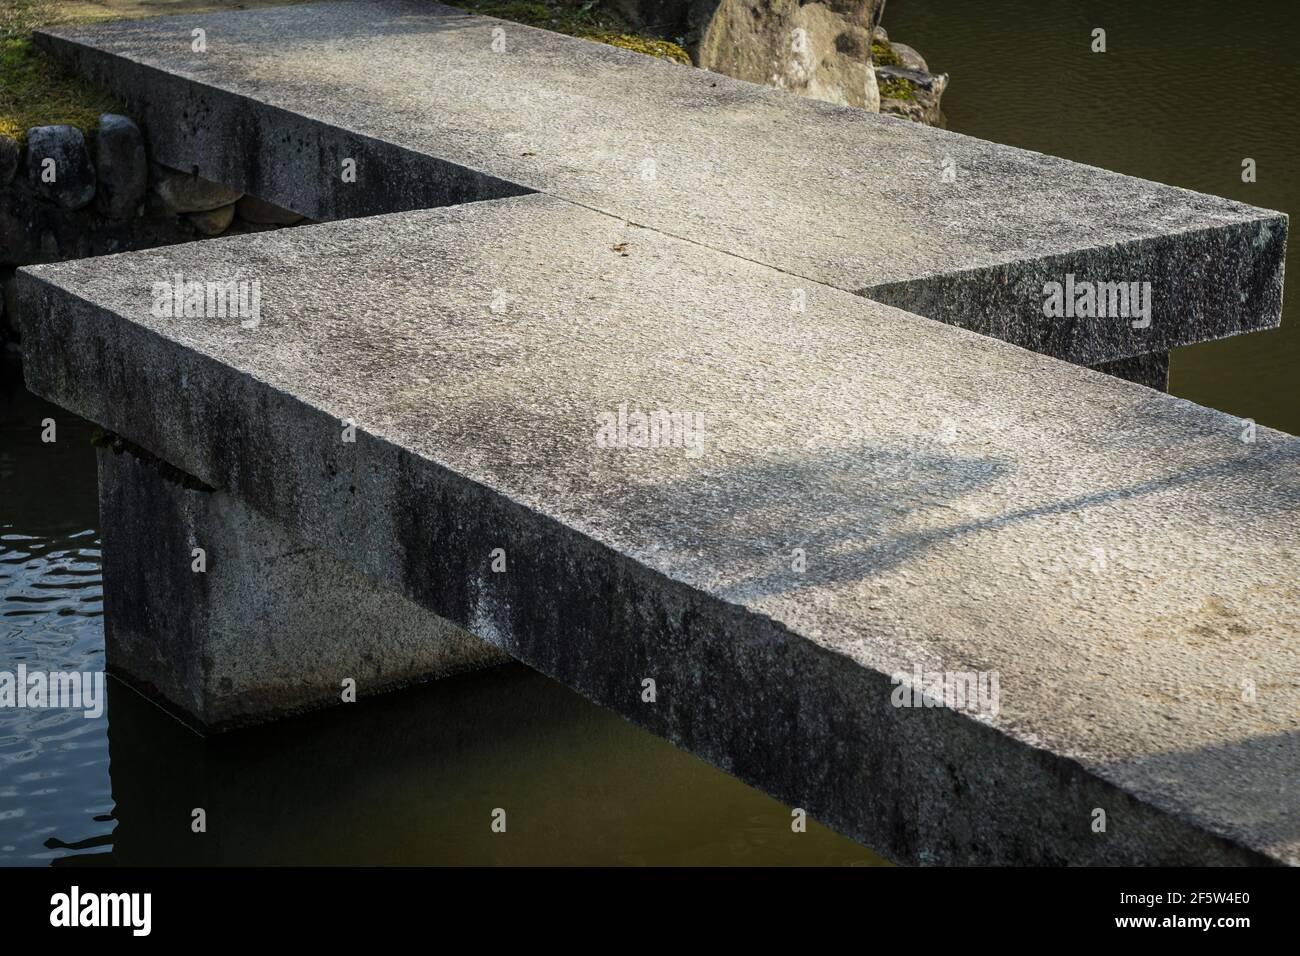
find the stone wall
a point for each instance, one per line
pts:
(68, 195)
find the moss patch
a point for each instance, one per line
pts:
(884, 55)
(589, 21)
(663, 49)
(896, 88)
(34, 90)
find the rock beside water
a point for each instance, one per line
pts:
(907, 87)
(908, 57)
(821, 50)
(911, 94)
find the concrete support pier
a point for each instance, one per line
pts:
(221, 617)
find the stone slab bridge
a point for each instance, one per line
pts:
(738, 413)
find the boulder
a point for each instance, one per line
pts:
(184, 192)
(255, 210)
(818, 50)
(832, 50)
(121, 166)
(213, 222)
(912, 94)
(59, 167)
(908, 57)
(821, 50)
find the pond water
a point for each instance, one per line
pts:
(407, 778)
(1184, 92)
(1181, 96)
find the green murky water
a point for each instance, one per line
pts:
(1184, 92)
(410, 778)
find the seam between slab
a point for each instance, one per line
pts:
(1259, 215)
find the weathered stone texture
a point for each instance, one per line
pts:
(957, 229)
(949, 492)
(271, 626)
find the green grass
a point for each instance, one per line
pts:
(19, 17)
(34, 90)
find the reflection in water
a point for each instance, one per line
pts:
(414, 779)
(409, 778)
(53, 763)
